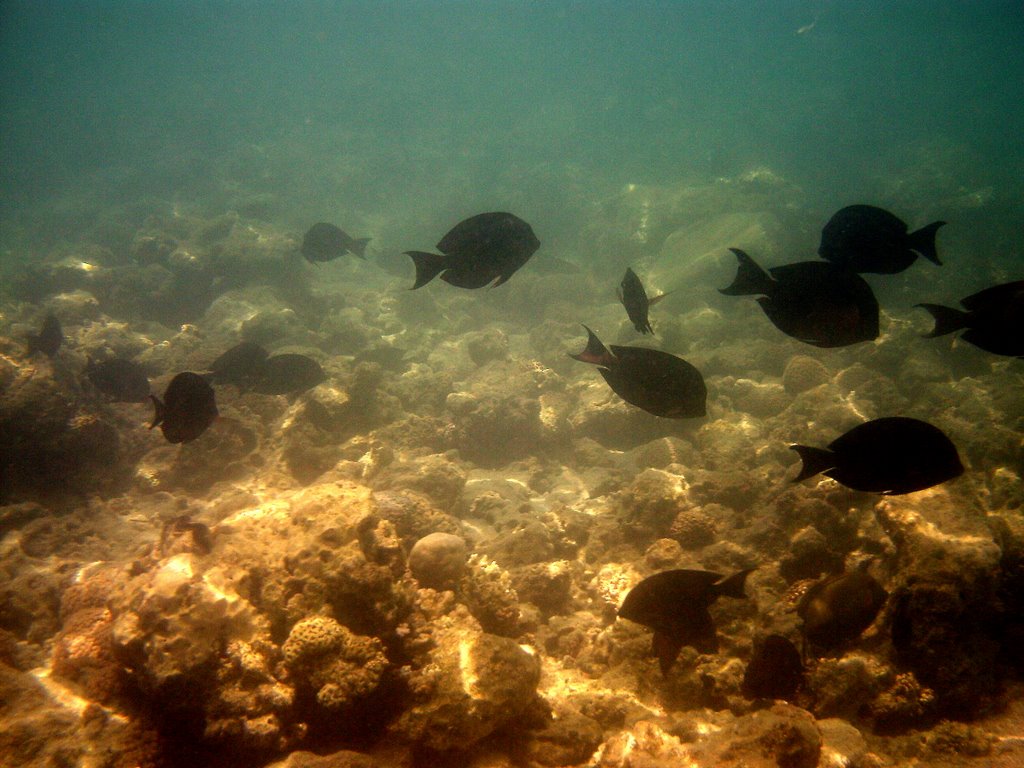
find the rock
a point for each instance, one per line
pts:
(803, 373)
(781, 737)
(645, 745)
(842, 745)
(342, 759)
(438, 560)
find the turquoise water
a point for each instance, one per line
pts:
(544, 106)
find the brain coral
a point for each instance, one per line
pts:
(327, 658)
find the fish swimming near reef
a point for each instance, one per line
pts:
(49, 338)
(675, 605)
(864, 238)
(289, 374)
(485, 249)
(815, 302)
(658, 382)
(188, 408)
(891, 455)
(775, 670)
(840, 607)
(636, 301)
(242, 365)
(326, 242)
(994, 319)
(123, 381)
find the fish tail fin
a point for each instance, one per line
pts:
(596, 352)
(923, 241)
(158, 415)
(947, 319)
(358, 247)
(750, 278)
(816, 461)
(667, 649)
(732, 586)
(428, 265)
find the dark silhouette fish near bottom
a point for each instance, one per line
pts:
(658, 382)
(675, 605)
(188, 408)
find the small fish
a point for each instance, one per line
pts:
(326, 242)
(242, 365)
(485, 249)
(864, 238)
(658, 382)
(49, 338)
(188, 408)
(634, 298)
(891, 455)
(814, 302)
(675, 605)
(289, 373)
(124, 381)
(838, 608)
(994, 319)
(775, 670)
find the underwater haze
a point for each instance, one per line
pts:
(511, 384)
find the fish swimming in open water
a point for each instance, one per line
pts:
(658, 382)
(815, 302)
(188, 408)
(326, 242)
(864, 238)
(891, 455)
(675, 605)
(485, 249)
(636, 301)
(994, 319)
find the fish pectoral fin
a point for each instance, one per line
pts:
(158, 415)
(651, 301)
(666, 648)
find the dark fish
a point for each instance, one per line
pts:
(775, 670)
(657, 382)
(484, 249)
(124, 381)
(188, 408)
(675, 605)
(891, 455)
(838, 608)
(289, 373)
(994, 319)
(634, 298)
(813, 301)
(326, 242)
(242, 365)
(864, 238)
(49, 338)
(384, 355)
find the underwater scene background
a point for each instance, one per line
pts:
(415, 552)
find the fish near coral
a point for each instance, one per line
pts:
(242, 365)
(188, 408)
(775, 670)
(124, 381)
(675, 605)
(815, 302)
(655, 381)
(839, 608)
(891, 455)
(49, 338)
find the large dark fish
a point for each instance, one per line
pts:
(484, 249)
(838, 608)
(242, 365)
(813, 301)
(124, 381)
(864, 238)
(675, 605)
(325, 242)
(892, 455)
(636, 301)
(289, 373)
(49, 338)
(775, 671)
(994, 319)
(188, 408)
(657, 382)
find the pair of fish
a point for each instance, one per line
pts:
(655, 381)
(486, 249)
(891, 455)
(248, 366)
(325, 242)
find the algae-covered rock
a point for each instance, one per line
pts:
(438, 560)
